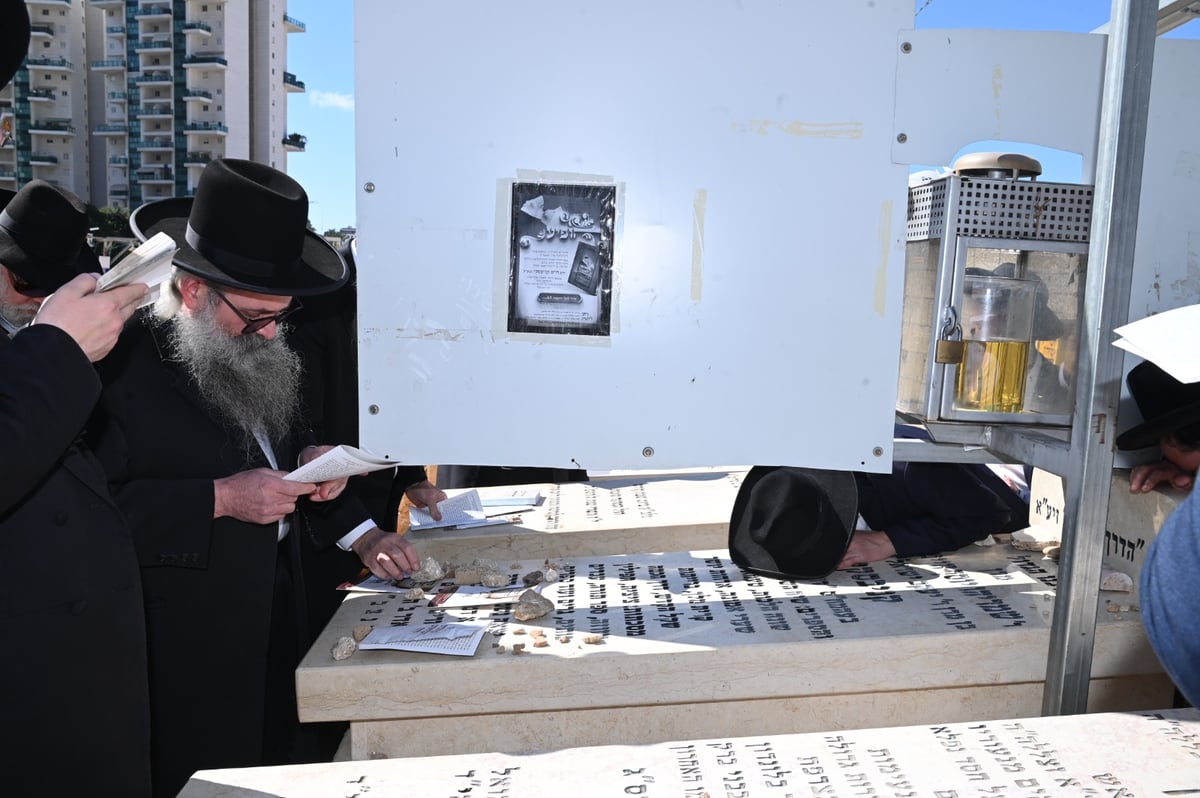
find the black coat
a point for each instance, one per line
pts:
(75, 708)
(220, 664)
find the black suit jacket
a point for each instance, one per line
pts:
(209, 583)
(70, 593)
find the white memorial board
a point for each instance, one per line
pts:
(723, 281)
(1129, 754)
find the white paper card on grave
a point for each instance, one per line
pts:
(457, 639)
(340, 461)
(718, 275)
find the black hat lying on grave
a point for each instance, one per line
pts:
(1166, 405)
(43, 236)
(793, 523)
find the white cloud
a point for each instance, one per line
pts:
(331, 99)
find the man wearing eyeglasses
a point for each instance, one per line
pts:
(202, 422)
(76, 650)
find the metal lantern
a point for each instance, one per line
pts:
(993, 288)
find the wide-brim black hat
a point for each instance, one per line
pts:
(14, 38)
(793, 523)
(43, 235)
(246, 227)
(1166, 405)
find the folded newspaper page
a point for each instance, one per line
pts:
(149, 263)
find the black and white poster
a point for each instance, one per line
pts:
(561, 258)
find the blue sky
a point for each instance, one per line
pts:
(323, 57)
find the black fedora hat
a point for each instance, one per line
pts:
(43, 235)
(246, 227)
(14, 38)
(1166, 405)
(793, 523)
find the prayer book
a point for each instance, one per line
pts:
(340, 461)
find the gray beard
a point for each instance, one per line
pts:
(252, 382)
(17, 315)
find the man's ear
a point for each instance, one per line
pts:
(192, 291)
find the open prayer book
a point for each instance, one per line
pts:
(464, 510)
(340, 461)
(1166, 340)
(149, 263)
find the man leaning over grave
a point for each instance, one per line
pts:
(803, 523)
(199, 429)
(1171, 419)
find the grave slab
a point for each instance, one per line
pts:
(1130, 754)
(617, 514)
(687, 645)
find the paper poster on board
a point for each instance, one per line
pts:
(560, 258)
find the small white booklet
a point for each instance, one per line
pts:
(459, 639)
(463, 510)
(1166, 340)
(510, 497)
(340, 461)
(149, 263)
(478, 595)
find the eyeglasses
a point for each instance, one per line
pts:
(254, 325)
(24, 287)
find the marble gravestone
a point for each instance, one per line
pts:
(1134, 754)
(676, 645)
(618, 514)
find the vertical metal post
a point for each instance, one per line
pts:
(1122, 141)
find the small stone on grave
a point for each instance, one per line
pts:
(344, 648)
(360, 631)
(532, 604)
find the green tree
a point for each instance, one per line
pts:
(112, 221)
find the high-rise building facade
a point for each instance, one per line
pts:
(125, 101)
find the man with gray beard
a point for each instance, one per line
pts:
(199, 429)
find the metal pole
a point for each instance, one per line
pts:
(1122, 141)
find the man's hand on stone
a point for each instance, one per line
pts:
(867, 547)
(386, 554)
(1144, 478)
(426, 496)
(258, 496)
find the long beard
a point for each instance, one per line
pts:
(252, 382)
(18, 314)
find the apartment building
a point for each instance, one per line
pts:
(125, 101)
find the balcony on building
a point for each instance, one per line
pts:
(153, 11)
(8, 175)
(108, 65)
(197, 96)
(196, 158)
(156, 76)
(119, 161)
(43, 159)
(40, 95)
(197, 27)
(205, 61)
(119, 190)
(154, 174)
(215, 128)
(54, 2)
(294, 142)
(115, 30)
(118, 96)
(291, 83)
(105, 3)
(110, 129)
(293, 25)
(51, 127)
(49, 64)
(154, 143)
(151, 44)
(41, 31)
(152, 110)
